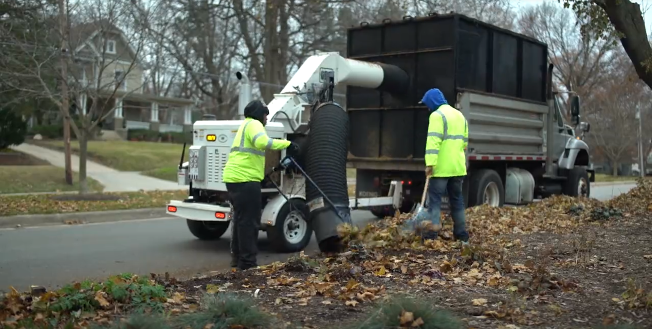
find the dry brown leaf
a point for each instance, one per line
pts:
(406, 317)
(479, 302)
(99, 297)
(351, 303)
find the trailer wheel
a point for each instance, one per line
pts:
(207, 230)
(577, 183)
(486, 187)
(291, 232)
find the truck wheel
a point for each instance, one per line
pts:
(577, 183)
(291, 232)
(207, 230)
(486, 187)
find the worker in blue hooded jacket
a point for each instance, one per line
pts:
(445, 162)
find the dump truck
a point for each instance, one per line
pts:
(520, 149)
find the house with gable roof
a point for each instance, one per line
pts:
(105, 59)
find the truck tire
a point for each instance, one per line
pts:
(291, 232)
(207, 230)
(576, 180)
(485, 186)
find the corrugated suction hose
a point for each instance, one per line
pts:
(325, 162)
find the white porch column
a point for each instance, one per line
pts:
(154, 117)
(118, 108)
(187, 115)
(83, 100)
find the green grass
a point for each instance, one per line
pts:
(165, 173)
(44, 178)
(159, 160)
(609, 178)
(128, 156)
(47, 204)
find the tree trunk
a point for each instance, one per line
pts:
(64, 91)
(614, 170)
(83, 155)
(627, 18)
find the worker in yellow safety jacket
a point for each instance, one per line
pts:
(243, 174)
(445, 158)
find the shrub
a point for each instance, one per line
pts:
(49, 131)
(178, 138)
(227, 311)
(143, 135)
(403, 311)
(12, 128)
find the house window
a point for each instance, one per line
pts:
(120, 80)
(110, 47)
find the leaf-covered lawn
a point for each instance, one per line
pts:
(49, 204)
(42, 178)
(127, 155)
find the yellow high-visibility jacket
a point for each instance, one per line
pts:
(448, 138)
(246, 161)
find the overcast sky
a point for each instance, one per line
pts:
(646, 7)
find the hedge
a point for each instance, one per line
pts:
(146, 135)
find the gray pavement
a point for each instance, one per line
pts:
(55, 255)
(113, 180)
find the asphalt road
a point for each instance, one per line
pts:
(56, 255)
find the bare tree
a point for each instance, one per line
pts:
(614, 105)
(496, 12)
(280, 34)
(98, 63)
(203, 38)
(624, 18)
(580, 60)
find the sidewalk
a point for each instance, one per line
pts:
(112, 180)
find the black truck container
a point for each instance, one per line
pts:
(450, 52)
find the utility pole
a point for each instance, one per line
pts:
(65, 104)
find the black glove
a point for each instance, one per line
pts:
(294, 148)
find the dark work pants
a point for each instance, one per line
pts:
(437, 188)
(246, 199)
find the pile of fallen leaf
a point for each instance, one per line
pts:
(52, 204)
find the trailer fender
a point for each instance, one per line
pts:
(273, 207)
(574, 148)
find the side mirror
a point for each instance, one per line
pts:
(585, 126)
(575, 105)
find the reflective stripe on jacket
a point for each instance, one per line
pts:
(246, 161)
(447, 139)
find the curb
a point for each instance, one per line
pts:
(613, 183)
(81, 217)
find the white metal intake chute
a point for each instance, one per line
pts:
(315, 73)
